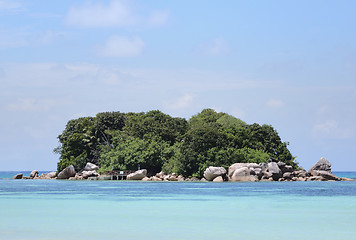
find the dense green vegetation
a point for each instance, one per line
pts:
(156, 141)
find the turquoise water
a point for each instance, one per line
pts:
(59, 209)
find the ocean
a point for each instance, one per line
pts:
(68, 210)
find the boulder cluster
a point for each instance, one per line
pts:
(67, 173)
(88, 172)
(161, 176)
(142, 175)
(34, 175)
(251, 172)
(238, 172)
(273, 171)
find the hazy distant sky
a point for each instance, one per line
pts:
(291, 64)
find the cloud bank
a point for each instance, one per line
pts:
(6, 5)
(213, 47)
(121, 46)
(114, 14)
(180, 103)
(99, 15)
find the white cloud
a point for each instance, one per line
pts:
(180, 103)
(33, 78)
(274, 103)
(14, 38)
(111, 77)
(34, 105)
(158, 18)
(116, 13)
(214, 47)
(121, 46)
(50, 36)
(326, 127)
(10, 5)
(331, 129)
(323, 109)
(22, 37)
(38, 133)
(99, 15)
(27, 104)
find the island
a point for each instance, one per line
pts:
(153, 146)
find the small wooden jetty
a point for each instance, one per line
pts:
(118, 174)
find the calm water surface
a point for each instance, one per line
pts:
(59, 209)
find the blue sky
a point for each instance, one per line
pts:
(291, 64)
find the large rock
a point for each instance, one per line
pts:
(287, 168)
(160, 175)
(258, 172)
(181, 178)
(48, 175)
(287, 175)
(154, 178)
(90, 167)
(212, 172)
(325, 174)
(301, 173)
(34, 174)
(263, 166)
(253, 165)
(267, 175)
(67, 173)
(77, 177)
(51, 174)
(321, 165)
(281, 164)
(218, 179)
(18, 176)
(284, 167)
(316, 178)
(173, 178)
(243, 174)
(87, 174)
(236, 166)
(322, 169)
(194, 179)
(138, 175)
(274, 170)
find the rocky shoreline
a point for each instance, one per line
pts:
(238, 172)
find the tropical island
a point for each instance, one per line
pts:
(158, 142)
(162, 147)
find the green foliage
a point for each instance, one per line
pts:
(267, 139)
(219, 139)
(77, 143)
(173, 163)
(157, 123)
(156, 141)
(108, 121)
(206, 117)
(130, 152)
(230, 122)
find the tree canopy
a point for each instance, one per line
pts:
(156, 141)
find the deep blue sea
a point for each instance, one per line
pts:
(68, 210)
